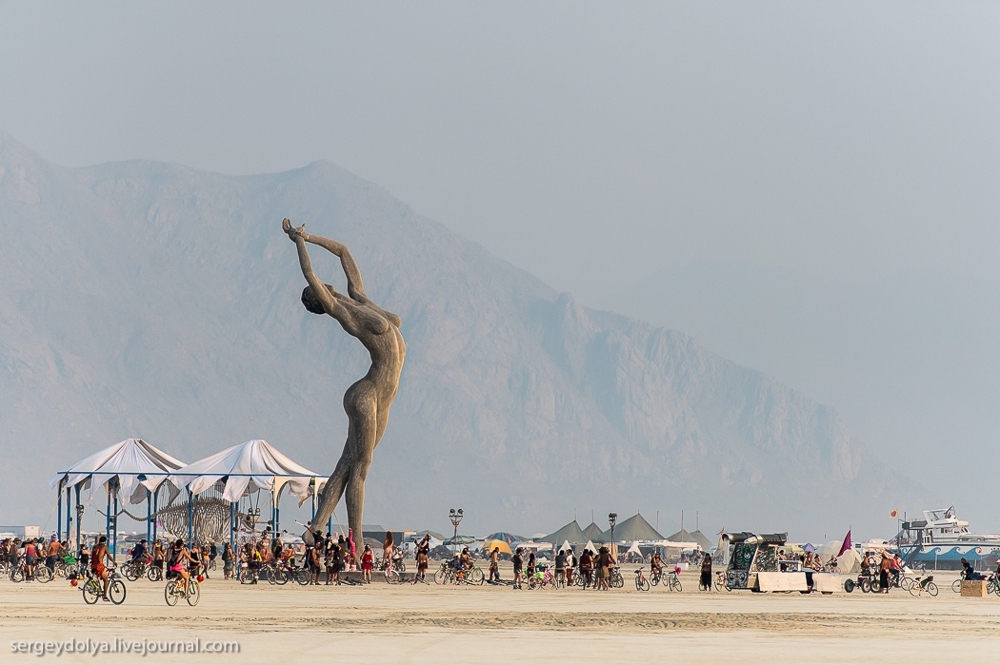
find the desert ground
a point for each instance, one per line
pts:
(433, 624)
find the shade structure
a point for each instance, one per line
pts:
(571, 532)
(500, 545)
(459, 540)
(634, 528)
(702, 540)
(592, 531)
(685, 536)
(508, 538)
(244, 469)
(136, 465)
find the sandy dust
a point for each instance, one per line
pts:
(424, 624)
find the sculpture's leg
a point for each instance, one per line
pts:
(334, 488)
(364, 416)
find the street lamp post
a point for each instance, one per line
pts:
(612, 518)
(456, 518)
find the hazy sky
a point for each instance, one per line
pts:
(812, 188)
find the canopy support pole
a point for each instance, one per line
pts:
(114, 524)
(190, 517)
(232, 524)
(59, 503)
(149, 517)
(274, 513)
(107, 514)
(313, 516)
(69, 513)
(79, 517)
(156, 494)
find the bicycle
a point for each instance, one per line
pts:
(615, 579)
(19, 572)
(721, 581)
(641, 583)
(93, 589)
(136, 568)
(922, 585)
(174, 591)
(673, 582)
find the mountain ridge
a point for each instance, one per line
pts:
(158, 300)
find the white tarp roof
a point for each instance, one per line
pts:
(247, 467)
(127, 460)
(634, 549)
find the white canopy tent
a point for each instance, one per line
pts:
(246, 468)
(131, 471)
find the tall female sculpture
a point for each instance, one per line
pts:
(367, 402)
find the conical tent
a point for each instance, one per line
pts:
(702, 540)
(244, 469)
(634, 528)
(592, 531)
(571, 532)
(137, 466)
(685, 536)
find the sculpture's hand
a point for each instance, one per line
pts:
(293, 232)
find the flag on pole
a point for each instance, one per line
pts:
(847, 544)
(894, 513)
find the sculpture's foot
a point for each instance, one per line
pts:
(307, 537)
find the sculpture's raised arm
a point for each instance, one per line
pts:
(355, 287)
(298, 236)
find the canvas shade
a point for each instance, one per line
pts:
(244, 469)
(571, 532)
(499, 544)
(634, 528)
(137, 465)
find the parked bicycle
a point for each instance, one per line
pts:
(641, 583)
(922, 585)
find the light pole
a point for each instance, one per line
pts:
(612, 518)
(456, 518)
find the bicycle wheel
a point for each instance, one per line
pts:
(956, 586)
(272, 575)
(43, 574)
(399, 566)
(302, 576)
(906, 583)
(866, 585)
(281, 576)
(154, 574)
(931, 588)
(617, 581)
(675, 585)
(194, 593)
(849, 585)
(131, 574)
(392, 577)
(117, 592)
(654, 579)
(475, 576)
(641, 584)
(17, 574)
(91, 592)
(579, 579)
(171, 592)
(533, 582)
(440, 575)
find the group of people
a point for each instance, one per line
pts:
(32, 551)
(594, 567)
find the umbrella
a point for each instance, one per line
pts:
(459, 540)
(499, 544)
(508, 538)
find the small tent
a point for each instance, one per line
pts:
(702, 540)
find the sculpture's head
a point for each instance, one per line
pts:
(311, 302)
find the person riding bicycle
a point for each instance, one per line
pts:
(139, 552)
(179, 556)
(656, 565)
(466, 559)
(97, 567)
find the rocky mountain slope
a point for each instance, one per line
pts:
(147, 299)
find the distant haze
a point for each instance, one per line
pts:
(810, 189)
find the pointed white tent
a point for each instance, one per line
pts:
(634, 549)
(244, 469)
(135, 464)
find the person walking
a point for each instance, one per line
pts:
(705, 582)
(495, 566)
(518, 562)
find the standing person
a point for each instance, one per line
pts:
(353, 549)
(328, 561)
(883, 573)
(423, 560)
(367, 563)
(495, 566)
(53, 553)
(97, 567)
(387, 548)
(705, 583)
(561, 566)
(518, 562)
(313, 557)
(31, 558)
(159, 555)
(587, 568)
(227, 562)
(604, 562)
(571, 565)
(531, 568)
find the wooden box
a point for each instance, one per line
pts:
(974, 588)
